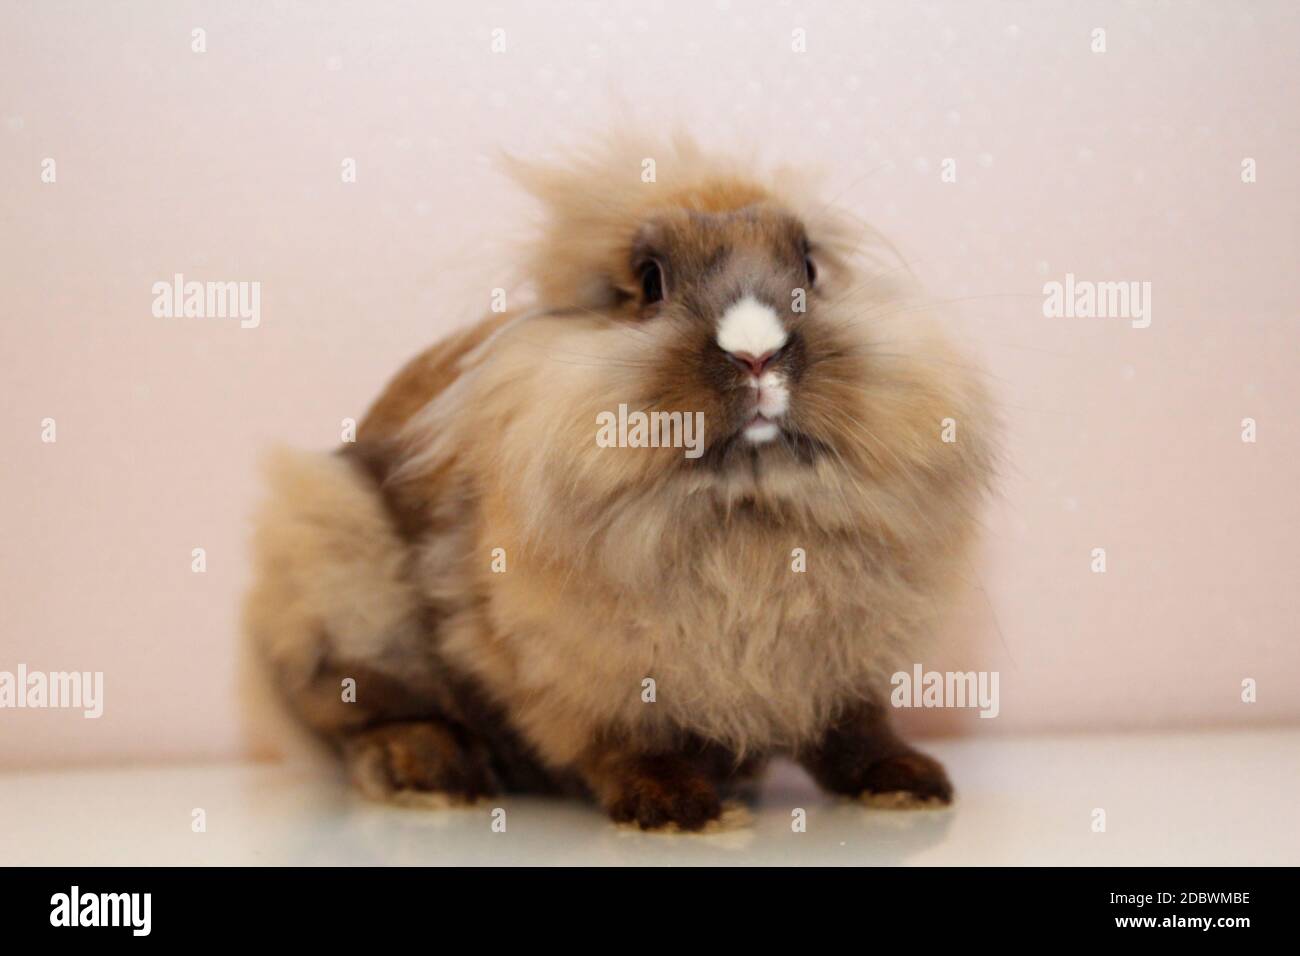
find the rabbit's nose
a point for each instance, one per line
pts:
(754, 364)
(751, 334)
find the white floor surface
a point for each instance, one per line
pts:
(1211, 798)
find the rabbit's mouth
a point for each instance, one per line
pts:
(760, 429)
(762, 441)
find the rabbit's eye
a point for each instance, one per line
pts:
(810, 270)
(652, 282)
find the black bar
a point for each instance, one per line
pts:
(336, 905)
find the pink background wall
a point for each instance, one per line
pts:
(226, 165)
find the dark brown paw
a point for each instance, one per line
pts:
(656, 794)
(905, 781)
(420, 763)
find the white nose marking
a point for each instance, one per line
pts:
(750, 327)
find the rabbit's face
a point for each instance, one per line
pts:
(737, 318)
(701, 356)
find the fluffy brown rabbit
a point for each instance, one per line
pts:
(481, 595)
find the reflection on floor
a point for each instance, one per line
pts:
(1211, 798)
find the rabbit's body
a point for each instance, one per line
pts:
(520, 608)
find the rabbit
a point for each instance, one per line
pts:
(477, 597)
